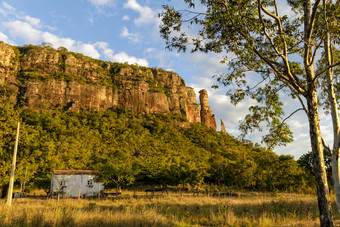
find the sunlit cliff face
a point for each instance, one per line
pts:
(45, 78)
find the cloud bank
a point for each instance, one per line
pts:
(29, 30)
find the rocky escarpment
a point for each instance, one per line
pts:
(207, 116)
(43, 78)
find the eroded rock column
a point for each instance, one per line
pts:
(207, 116)
(223, 127)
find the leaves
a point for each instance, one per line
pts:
(128, 149)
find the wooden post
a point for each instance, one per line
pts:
(78, 192)
(11, 181)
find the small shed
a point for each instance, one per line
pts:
(75, 183)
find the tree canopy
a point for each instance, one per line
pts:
(135, 150)
(270, 48)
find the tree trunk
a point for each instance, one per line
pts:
(318, 160)
(336, 179)
(334, 113)
(336, 129)
(313, 117)
(117, 189)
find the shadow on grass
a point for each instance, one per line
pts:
(215, 215)
(156, 213)
(282, 208)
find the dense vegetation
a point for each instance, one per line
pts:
(132, 149)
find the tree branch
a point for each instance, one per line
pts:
(325, 69)
(313, 17)
(326, 147)
(303, 105)
(316, 49)
(309, 31)
(284, 56)
(291, 115)
(264, 28)
(197, 14)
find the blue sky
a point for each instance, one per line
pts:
(127, 31)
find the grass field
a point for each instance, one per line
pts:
(250, 209)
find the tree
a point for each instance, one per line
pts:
(9, 118)
(331, 18)
(117, 169)
(269, 55)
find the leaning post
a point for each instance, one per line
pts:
(11, 181)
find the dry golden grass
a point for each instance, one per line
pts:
(252, 209)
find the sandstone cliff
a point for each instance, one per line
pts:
(207, 116)
(223, 127)
(43, 78)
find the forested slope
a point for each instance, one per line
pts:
(139, 124)
(148, 149)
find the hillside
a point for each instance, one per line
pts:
(43, 78)
(143, 124)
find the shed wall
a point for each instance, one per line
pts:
(75, 185)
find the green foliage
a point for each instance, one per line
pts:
(262, 48)
(9, 118)
(129, 149)
(306, 163)
(117, 168)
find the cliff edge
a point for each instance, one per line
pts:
(43, 78)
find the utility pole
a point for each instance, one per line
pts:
(11, 181)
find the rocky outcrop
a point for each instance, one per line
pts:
(71, 96)
(207, 116)
(45, 79)
(8, 69)
(223, 128)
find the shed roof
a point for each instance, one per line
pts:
(74, 172)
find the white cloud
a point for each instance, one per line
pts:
(26, 32)
(102, 2)
(87, 49)
(58, 41)
(149, 50)
(31, 31)
(102, 45)
(5, 39)
(7, 7)
(121, 57)
(134, 37)
(126, 18)
(146, 14)
(91, 20)
(23, 30)
(12, 15)
(35, 22)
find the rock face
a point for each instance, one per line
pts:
(223, 128)
(45, 79)
(8, 69)
(207, 116)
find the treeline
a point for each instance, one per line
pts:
(130, 149)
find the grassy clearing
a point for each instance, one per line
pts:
(165, 210)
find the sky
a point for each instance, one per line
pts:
(128, 31)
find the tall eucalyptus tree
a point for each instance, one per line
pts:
(271, 48)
